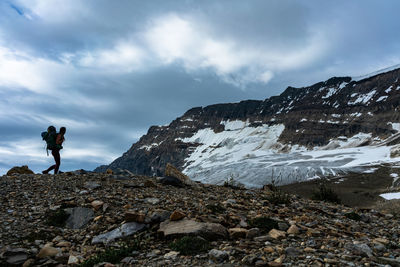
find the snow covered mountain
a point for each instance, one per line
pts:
(340, 125)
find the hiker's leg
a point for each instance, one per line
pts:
(52, 167)
(56, 155)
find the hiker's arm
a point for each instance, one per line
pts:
(59, 139)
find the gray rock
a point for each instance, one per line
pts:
(160, 216)
(218, 255)
(91, 185)
(16, 256)
(379, 247)
(152, 200)
(291, 252)
(124, 230)
(252, 233)
(79, 217)
(359, 249)
(283, 226)
(183, 227)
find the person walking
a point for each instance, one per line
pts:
(54, 143)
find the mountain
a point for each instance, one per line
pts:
(340, 125)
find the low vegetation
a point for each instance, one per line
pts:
(190, 245)
(278, 197)
(114, 254)
(324, 193)
(232, 183)
(265, 224)
(216, 208)
(57, 218)
(353, 216)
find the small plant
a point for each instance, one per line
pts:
(39, 235)
(265, 224)
(57, 218)
(190, 245)
(215, 208)
(232, 183)
(353, 216)
(278, 197)
(114, 255)
(325, 194)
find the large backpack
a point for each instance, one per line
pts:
(50, 139)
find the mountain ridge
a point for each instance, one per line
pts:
(311, 116)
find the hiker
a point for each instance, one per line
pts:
(54, 143)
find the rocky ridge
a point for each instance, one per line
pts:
(240, 227)
(312, 116)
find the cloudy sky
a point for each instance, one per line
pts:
(108, 70)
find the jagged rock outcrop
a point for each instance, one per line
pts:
(311, 115)
(20, 170)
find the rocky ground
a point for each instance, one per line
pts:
(69, 218)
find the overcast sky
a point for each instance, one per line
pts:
(108, 70)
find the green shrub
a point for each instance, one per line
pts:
(39, 235)
(216, 208)
(265, 224)
(325, 194)
(190, 245)
(232, 183)
(353, 216)
(114, 255)
(278, 197)
(57, 218)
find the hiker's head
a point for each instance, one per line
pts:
(63, 130)
(51, 129)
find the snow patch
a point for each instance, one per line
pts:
(390, 196)
(331, 91)
(150, 147)
(364, 98)
(395, 126)
(357, 114)
(342, 85)
(382, 98)
(234, 125)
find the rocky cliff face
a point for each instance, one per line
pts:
(339, 113)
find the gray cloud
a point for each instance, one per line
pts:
(108, 71)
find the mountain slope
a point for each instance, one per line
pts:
(324, 129)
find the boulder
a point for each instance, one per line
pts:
(171, 171)
(252, 233)
(48, 251)
(133, 216)
(124, 230)
(15, 256)
(160, 216)
(237, 233)
(276, 234)
(20, 170)
(79, 217)
(218, 255)
(395, 151)
(97, 204)
(293, 230)
(177, 215)
(184, 227)
(91, 185)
